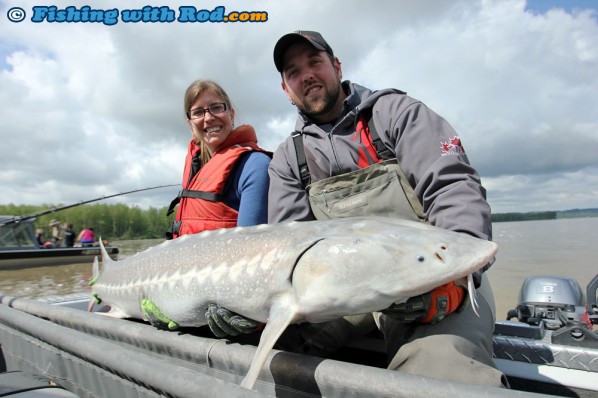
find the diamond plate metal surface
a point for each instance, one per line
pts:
(543, 353)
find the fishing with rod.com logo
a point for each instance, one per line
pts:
(146, 14)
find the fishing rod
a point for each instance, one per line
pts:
(18, 219)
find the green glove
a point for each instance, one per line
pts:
(223, 322)
(156, 317)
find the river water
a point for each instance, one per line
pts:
(564, 247)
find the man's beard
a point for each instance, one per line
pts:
(322, 106)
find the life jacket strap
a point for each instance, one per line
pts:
(188, 193)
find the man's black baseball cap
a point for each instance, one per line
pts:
(306, 36)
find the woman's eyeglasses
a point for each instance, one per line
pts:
(199, 113)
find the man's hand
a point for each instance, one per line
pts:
(223, 322)
(431, 307)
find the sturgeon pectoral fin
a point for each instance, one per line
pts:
(282, 313)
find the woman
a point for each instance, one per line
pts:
(86, 237)
(225, 179)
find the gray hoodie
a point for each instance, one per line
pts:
(427, 148)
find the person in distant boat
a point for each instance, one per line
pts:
(39, 237)
(225, 178)
(57, 233)
(86, 237)
(69, 235)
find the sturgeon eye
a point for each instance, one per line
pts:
(421, 259)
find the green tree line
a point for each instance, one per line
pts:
(118, 221)
(545, 215)
(541, 215)
(110, 221)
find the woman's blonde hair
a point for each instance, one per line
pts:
(195, 90)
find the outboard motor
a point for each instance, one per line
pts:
(558, 304)
(545, 298)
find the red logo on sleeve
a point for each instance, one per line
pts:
(452, 147)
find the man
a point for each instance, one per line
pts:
(69, 235)
(346, 138)
(57, 233)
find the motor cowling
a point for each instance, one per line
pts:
(548, 298)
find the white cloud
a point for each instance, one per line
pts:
(90, 110)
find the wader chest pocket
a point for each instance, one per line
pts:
(375, 190)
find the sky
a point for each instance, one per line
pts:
(90, 109)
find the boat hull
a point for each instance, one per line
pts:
(92, 355)
(27, 258)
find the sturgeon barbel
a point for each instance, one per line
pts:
(313, 271)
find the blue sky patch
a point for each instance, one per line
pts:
(542, 6)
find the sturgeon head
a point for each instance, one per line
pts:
(377, 262)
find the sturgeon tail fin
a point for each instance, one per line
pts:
(106, 259)
(106, 262)
(95, 273)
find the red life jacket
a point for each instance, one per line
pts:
(201, 207)
(368, 153)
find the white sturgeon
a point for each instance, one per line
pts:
(287, 273)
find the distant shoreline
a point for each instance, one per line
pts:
(544, 215)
